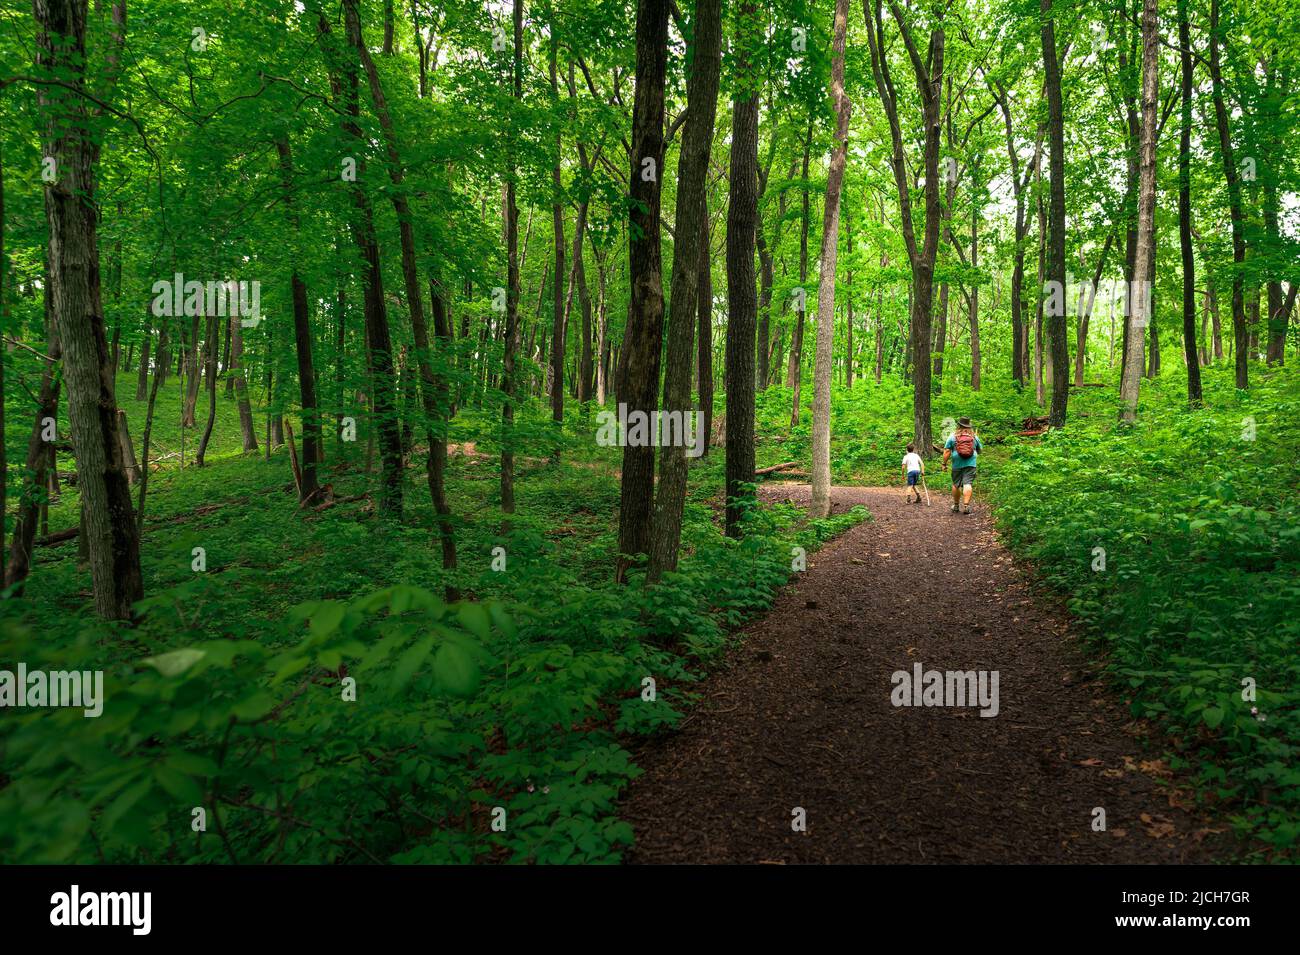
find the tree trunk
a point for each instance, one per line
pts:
(302, 344)
(795, 370)
(512, 281)
(821, 437)
(148, 429)
(434, 393)
(638, 373)
(742, 318)
(557, 227)
(929, 77)
(691, 233)
(1240, 344)
(378, 338)
(247, 428)
(1087, 299)
(1138, 298)
(72, 218)
(1185, 210)
(40, 455)
(1056, 237)
(210, 375)
(704, 361)
(142, 376)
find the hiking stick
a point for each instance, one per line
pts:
(926, 489)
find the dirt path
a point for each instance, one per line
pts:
(801, 716)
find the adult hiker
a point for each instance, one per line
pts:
(961, 452)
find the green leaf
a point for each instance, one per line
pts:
(410, 661)
(176, 662)
(456, 670)
(474, 618)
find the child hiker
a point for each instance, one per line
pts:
(913, 468)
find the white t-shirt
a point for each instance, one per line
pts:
(911, 462)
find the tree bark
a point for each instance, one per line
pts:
(74, 276)
(1138, 300)
(821, 436)
(929, 78)
(1241, 346)
(691, 233)
(1194, 396)
(311, 427)
(1056, 216)
(704, 360)
(638, 379)
(434, 393)
(742, 318)
(210, 376)
(378, 338)
(794, 373)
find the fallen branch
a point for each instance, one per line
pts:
(59, 538)
(293, 458)
(776, 467)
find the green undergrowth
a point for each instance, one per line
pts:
(309, 697)
(1177, 542)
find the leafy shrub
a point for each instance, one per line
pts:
(1200, 524)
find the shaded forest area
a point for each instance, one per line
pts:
(317, 315)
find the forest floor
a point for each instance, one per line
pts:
(799, 715)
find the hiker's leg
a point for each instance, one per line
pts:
(966, 493)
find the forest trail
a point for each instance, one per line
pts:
(800, 715)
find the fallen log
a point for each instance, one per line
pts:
(59, 538)
(775, 467)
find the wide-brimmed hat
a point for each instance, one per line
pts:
(963, 422)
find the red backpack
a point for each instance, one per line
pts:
(965, 444)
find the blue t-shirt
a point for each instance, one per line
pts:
(957, 460)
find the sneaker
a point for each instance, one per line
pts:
(955, 508)
(966, 510)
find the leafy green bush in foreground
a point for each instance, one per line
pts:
(392, 727)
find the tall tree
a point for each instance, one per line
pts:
(302, 337)
(928, 74)
(1056, 219)
(1139, 300)
(821, 436)
(1241, 344)
(1185, 209)
(557, 226)
(511, 331)
(742, 299)
(72, 216)
(638, 380)
(692, 236)
(431, 386)
(379, 343)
